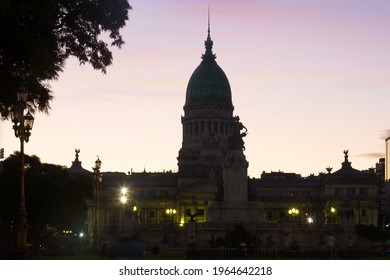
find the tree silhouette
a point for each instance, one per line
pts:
(37, 36)
(53, 196)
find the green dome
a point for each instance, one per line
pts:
(208, 84)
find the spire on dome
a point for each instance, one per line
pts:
(208, 43)
(208, 29)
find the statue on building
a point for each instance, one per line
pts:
(345, 155)
(236, 140)
(77, 154)
(192, 217)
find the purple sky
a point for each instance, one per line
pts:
(309, 79)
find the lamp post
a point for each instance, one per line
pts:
(170, 214)
(136, 216)
(123, 202)
(22, 126)
(332, 213)
(98, 179)
(293, 212)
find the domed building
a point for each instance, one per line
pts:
(162, 198)
(211, 190)
(207, 120)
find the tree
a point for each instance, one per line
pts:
(53, 195)
(37, 36)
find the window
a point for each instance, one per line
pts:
(363, 191)
(339, 191)
(152, 214)
(114, 217)
(349, 213)
(200, 212)
(351, 191)
(364, 212)
(269, 214)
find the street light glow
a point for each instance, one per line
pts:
(170, 211)
(123, 198)
(293, 211)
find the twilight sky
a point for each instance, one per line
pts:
(309, 79)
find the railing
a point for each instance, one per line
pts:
(280, 254)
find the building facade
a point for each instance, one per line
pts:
(179, 206)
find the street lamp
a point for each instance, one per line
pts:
(170, 212)
(168, 218)
(293, 212)
(22, 126)
(332, 213)
(98, 180)
(123, 200)
(123, 191)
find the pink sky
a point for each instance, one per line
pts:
(309, 79)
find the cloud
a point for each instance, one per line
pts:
(372, 155)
